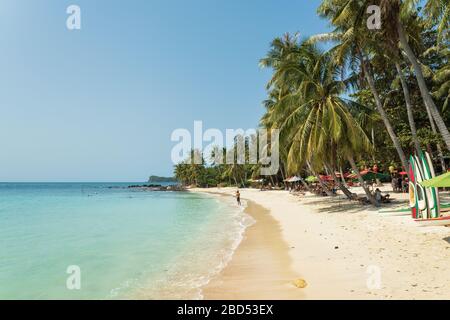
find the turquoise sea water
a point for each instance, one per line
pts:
(128, 244)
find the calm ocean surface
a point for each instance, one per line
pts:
(127, 243)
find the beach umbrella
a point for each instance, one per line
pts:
(311, 179)
(326, 178)
(441, 181)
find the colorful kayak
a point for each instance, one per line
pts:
(412, 189)
(423, 202)
(421, 198)
(432, 193)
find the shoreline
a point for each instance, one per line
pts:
(261, 259)
(341, 249)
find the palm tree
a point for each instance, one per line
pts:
(409, 108)
(316, 124)
(437, 13)
(398, 12)
(353, 41)
(396, 16)
(442, 79)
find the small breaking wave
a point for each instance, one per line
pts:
(202, 259)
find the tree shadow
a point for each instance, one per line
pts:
(342, 204)
(338, 204)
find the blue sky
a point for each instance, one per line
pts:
(99, 104)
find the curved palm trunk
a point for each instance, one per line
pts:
(304, 183)
(428, 100)
(331, 171)
(361, 181)
(412, 123)
(374, 146)
(324, 187)
(283, 176)
(341, 186)
(384, 117)
(441, 158)
(438, 146)
(342, 178)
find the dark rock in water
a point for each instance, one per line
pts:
(157, 187)
(145, 186)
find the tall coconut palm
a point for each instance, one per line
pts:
(389, 53)
(442, 79)
(437, 13)
(409, 108)
(396, 15)
(315, 122)
(415, 27)
(398, 11)
(353, 48)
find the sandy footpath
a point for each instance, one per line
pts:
(340, 248)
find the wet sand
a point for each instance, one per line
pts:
(261, 261)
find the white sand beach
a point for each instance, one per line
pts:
(341, 249)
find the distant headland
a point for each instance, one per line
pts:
(153, 179)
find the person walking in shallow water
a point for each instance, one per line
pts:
(238, 197)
